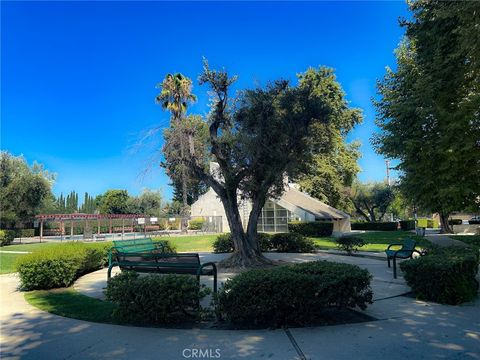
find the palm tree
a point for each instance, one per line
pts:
(175, 95)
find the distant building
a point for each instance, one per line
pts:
(292, 205)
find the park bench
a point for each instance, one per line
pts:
(405, 252)
(143, 255)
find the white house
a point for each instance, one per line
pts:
(292, 205)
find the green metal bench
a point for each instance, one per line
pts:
(405, 252)
(151, 258)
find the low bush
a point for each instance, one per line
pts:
(311, 228)
(407, 225)
(293, 294)
(155, 299)
(6, 237)
(224, 243)
(444, 275)
(196, 224)
(349, 243)
(61, 265)
(292, 243)
(474, 222)
(375, 226)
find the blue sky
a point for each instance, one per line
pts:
(78, 78)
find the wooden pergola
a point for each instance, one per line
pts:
(63, 218)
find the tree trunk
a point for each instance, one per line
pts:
(446, 227)
(246, 251)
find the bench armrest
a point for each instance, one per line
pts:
(160, 245)
(396, 244)
(200, 269)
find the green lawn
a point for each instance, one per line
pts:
(375, 241)
(69, 303)
(196, 243)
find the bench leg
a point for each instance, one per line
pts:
(109, 272)
(388, 261)
(394, 267)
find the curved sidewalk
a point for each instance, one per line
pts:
(407, 328)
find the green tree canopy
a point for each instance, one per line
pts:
(371, 200)
(429, 107)
(149, 202)
(114, 202)
(23, 189)
(259, 138)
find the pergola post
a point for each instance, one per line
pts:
(41, 229)
(123, 227)
(98, 226)
(71, 229)
(110, 225)
(62, 228)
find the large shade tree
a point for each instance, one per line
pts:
(258, 138)
(24, 190)
(371, 200)
(429, 107)
(175, 95)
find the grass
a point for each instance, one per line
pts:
(69, 303)
(375, 241)
(194, 243)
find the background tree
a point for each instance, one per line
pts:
(23, 190)
(371, 200)
(429, 108)
(331, 171)
(148, 202)
(264, 136)
(114, 202)
(176, 170)
(175, 94)
(88, 206)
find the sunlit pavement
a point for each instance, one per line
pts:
(406, 328)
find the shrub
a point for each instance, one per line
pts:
(349, 243)
(292, 243)
(406, 225)
(444, 275)
(60, 265)
(224, 243)
(196, 224)
(293, 294)
(455, 222)
(6, 237)
(474, 222)
(156, 299)
(376, 226)
(311, 228)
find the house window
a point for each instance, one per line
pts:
(274, 218)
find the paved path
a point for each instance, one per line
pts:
(406, 329)
(443, 240)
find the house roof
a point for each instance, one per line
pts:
(305, 202)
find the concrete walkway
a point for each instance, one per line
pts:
(406, 329)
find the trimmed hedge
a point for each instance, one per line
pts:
(293, 294)
(6, 237)
(311, 228)
(349, 243)
(196, 224)
(61, 265)
(292, 243)
(224, 243)
(444, 275)
(455, 222)
(155, 299)
(376, 226)
(407, 225)
(473, 222)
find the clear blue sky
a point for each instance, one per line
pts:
(78, 78)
